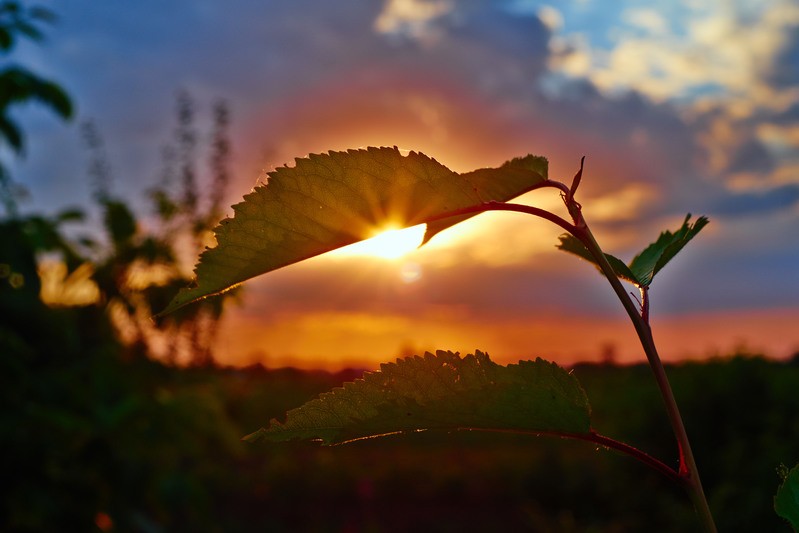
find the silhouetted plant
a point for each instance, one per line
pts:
(142, 268)
(18, 85)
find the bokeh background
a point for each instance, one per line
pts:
(114, 421)
(683, 107)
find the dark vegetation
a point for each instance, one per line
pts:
(98, 435)
(92, 440)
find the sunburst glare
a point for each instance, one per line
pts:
(390, 243)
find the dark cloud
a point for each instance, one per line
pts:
(713, 279)
(751, 156)
(787, 117)
(785, 67)
(522, 38)
(756, 202)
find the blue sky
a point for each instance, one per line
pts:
(680, 107)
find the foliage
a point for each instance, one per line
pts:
(154, 447)
(441, 391)
(642, 269)
(328, 201)
(97, 440)
(142, 268)
(19, 85)
(16, 20)
(786, 502)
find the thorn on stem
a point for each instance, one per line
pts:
(640, 305)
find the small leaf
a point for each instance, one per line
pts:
(43, 14)
(71, 215)
(6, 39)
(786, 502)
(331, 200)
(29, 30)
(645, 265)
(444, 392)
(11, 132)
(119, 221)
(570, 243)
(649, 262)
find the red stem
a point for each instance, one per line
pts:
(605, 442)
(688, 474)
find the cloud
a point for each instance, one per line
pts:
(784, 69)
(750, 156)
(647, 19)
(675, 110)
(727, 70)
(757, 202)
(411, 19)
(722, 50)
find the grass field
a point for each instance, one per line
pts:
(95, 443)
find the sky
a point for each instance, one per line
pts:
(685, 107)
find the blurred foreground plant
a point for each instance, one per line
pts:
(18, 85)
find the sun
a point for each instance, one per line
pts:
(388, 243)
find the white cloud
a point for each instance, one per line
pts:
(571, 55)
(411, 18)
(647, 19)
(715, 49)
(551, 17)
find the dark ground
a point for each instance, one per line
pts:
(92, 441)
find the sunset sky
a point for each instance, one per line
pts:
(686, 106)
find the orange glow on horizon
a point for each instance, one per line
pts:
(333, 340)
(426, 116)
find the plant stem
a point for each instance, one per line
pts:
(603, 441)
(688, 470)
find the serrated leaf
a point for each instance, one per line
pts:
(655, 256)
(786, 502)
(644, 266)
(502, 184)
(444, 392)
(331, 200)
(570, 243)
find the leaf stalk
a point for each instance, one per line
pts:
(605, 442)
(689, 473)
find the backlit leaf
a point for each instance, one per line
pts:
(497, 184)
(570, 243)
(649, 262)
(786, 502)
(644, 266)
(444, 392)
(331, 200)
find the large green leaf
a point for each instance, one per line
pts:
(441, 391)
(497, 184)
(786, 502)
(331, 200)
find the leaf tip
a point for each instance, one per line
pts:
(254, 437)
